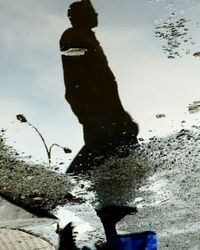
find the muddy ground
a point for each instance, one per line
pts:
(31, 186)
(160, 178)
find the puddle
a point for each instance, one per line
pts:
(159, 76)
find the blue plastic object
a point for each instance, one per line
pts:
(135, 241)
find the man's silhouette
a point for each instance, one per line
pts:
(109, 217)
(91, 89)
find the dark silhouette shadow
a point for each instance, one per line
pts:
(92, 92)
(109, 217)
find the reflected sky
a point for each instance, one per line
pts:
(149, 82)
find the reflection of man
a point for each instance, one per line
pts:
(109, 217)
(91, 88)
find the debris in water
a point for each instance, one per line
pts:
(194, 107)
(160, 115)
(173, 34)
(197, 54)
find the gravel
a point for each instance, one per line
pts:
(32, 186)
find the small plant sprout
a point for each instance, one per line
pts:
(23, 119)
